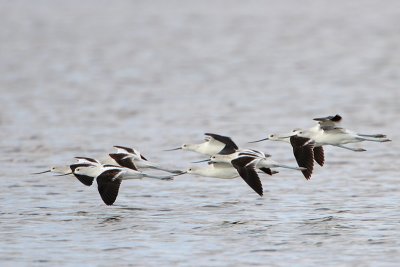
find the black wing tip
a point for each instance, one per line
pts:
(128, 149)
(298, 141)
(122, 161)
(335, 118)
(84, 179)
(304, 155)
(230, 145)
(250, 176)
(242, 161)
(88, 159)
(108, 186)
(319, 155)
(266, 170)
(109, 201)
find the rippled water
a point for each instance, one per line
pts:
(78, 77)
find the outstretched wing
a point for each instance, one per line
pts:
(108, 185)
(329, 121)
(131, 151)
(123, 160)
(84, 179)
(230, 146)
(87, 160)
(303, 153)
(248, 172)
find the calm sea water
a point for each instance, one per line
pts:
(77, 77)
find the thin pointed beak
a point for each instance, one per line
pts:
(64, 174)
(259, 140)
(204, 160)
(178, 148)
(179, 174)
(41, 172)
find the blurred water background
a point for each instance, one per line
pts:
(77, 77)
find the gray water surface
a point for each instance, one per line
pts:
(77, 77)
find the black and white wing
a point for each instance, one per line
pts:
(248, 172)
(303, 153)
(319, 156)
(124, 160)
(84, 179)
(129, 150)
(230, 146)
(329, 121)
(108, 185)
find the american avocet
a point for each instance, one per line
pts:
(213, 144)
(327, 132)
(68, 169)
(227, 155)
(262, 160)
(304, 151)
(126, 156)
(109, 179)
(247, 164)
(226, 171)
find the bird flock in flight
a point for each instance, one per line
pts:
(226, 160)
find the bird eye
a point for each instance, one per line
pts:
(184, 145)
(272, 135)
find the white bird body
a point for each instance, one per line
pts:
(132, 158)
(124, 173)
(206, 148)
(229, 157)
(216, 170)
(213, 144)
(336, 136)
(261, 160)
(109, 179)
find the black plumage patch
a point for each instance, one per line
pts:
(335, 118)
(242, 161)
(303, 153)
(84, 179)
(319, 156)
(108, 185)
(127, 149)
(88, 159)
(266, 170)
(130, 150)
(123, 160)
(230, 146)
(248, 173)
